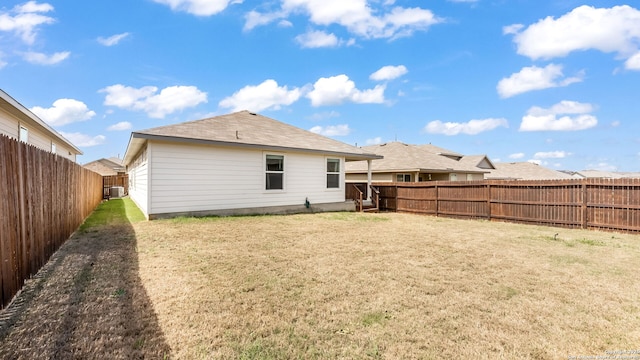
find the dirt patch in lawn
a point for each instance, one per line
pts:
(338, 285)
(88, 301)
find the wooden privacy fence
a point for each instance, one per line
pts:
(43, 199)
(604, 204)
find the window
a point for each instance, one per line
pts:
(53, 148)
(24, 134)
(333, 173)
(403, 177)
(274, 172)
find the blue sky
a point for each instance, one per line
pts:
(555, 82)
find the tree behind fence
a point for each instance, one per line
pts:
(44, 198)
(604, 204)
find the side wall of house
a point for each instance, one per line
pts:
(192, 178)
(138, 172)
(10, 126)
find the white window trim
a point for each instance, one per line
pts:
(54, 148)
(403, 177)
(26, 132)
(264, 173)
(340, 172)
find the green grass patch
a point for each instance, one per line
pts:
(376, 317)
(351, 216)
(113, 212)
(591, 242)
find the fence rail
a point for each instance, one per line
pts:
(43, 200)
(603, 204)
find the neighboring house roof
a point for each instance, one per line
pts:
(400, 157)
(477, 161)
(605, 174)
(524, 171)
(441, 151)
(106, 167)
(247, 130)
(16, 109)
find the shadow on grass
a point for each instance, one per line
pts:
(88, 301)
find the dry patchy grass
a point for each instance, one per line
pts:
(338, 285)
(388, 286)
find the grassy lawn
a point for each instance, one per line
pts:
(336, 285)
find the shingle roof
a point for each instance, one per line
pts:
(246, 129)
(606, 174)
(403, 157)
(524, 171)
(438, 150)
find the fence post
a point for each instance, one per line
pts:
(488, 201)
(437, 199)
(585, 208)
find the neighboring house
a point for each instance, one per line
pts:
(240, 163)
(414, 163)
(585, 174)
(20, 123)
(106, 167)
(524, 171)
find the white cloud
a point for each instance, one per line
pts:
(633, 63)
(317, 39)
(388, 72)
(374, 141)
(610, 30)
(121, 126)
(516, 156)
(472, 127)
(24, 20)
(337, 89)
(361, 18)
(551, 155)
(512, 29)
(44, 59)
(198, 7)
(112, 40)
(331, 130)
(64, 111)
(534, 78)
(576, 117)
(83, 140)
(147, 99)
(254, 19)
(267, 95)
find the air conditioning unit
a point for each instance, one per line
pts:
(116, 192)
